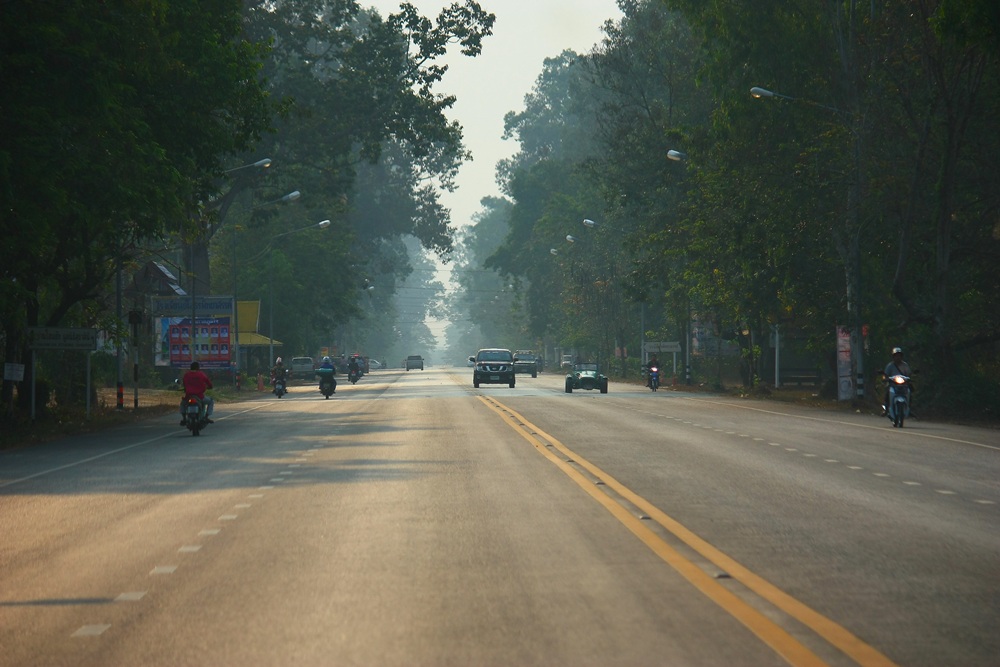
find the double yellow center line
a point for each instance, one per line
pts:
(776, 637)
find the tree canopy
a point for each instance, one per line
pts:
(129, 125)
(855, 186)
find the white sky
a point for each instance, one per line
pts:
(495, 82)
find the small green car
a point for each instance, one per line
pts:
(586, 376)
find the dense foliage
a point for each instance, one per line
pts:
(131, 129)
(861, 191)
(367, 142)
(117, 116)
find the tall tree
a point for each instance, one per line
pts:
(117, 116)
(366, 140)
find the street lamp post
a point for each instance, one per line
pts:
(680, 156)
(619, 302)
(850, 244)
(270, 281)
(222, 204)
(291, 196)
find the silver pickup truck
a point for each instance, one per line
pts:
(302, 369)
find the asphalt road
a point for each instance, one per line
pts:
(414, 520)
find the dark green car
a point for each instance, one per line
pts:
(525, 361)
(586, 376)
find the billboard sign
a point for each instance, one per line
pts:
(207, 341)
(180, 306)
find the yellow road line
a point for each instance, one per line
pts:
(769, 632)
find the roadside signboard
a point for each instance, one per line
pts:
(660, 347)
(180, 306)
(55, 338)
(13, 372)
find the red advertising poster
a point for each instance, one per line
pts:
(206, 341)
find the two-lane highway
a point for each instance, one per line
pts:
(412, 519)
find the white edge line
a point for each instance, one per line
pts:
(113, 451)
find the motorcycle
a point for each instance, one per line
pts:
(327, 385)
(280, 389)
(195, 418)
(898, 408)
(654, 378)
(353, 376)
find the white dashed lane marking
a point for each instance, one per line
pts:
(132, 596)
(97, 629)
(792, 450)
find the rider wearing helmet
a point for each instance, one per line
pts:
(278, 372)
(328, 365)
(895, 367)
(653, 362)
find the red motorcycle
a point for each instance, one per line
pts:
(195, 418)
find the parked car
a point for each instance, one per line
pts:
(586, 376)
(525, 361)
(414, 362)
(493, 366)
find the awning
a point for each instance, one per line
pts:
(252, 338)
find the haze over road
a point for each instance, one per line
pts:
(414, 520)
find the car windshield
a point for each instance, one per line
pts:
(494, 355)
(586, 367)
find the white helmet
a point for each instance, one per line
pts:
(326, 360)
(278, 360)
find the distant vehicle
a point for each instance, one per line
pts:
(302, 368)
(567, 361)
(374, 364)
(414, 362)
(586, 376)
(493, 366)
(525, 361)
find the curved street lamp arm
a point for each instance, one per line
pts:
(758, 93)
(319, 225)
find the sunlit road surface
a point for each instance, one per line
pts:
(414, 520)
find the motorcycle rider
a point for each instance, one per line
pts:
(328, 365)
(354, 367)
(195, 383)
(652, 363)
(895, 367)
(279, 372)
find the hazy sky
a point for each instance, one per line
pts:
(495, 82)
